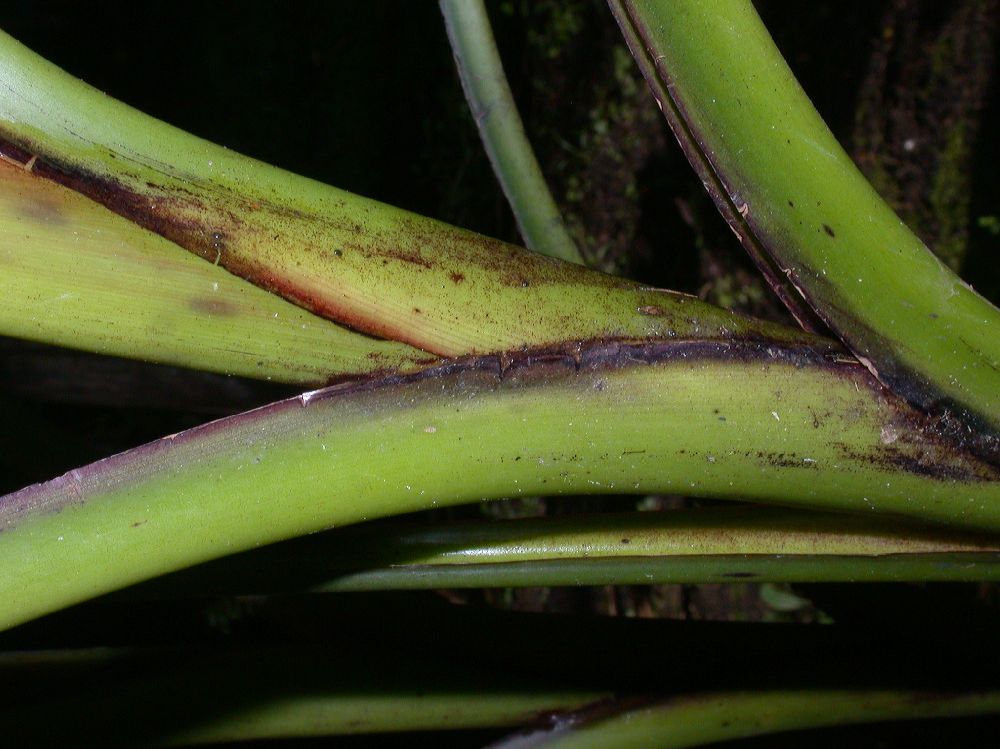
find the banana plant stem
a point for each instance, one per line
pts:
(784, 426)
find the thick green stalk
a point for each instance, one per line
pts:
(741, 421)
(372, 267)
(799, 204)
(495, 112)
(76, 274)
(706, 719)
(715, 545)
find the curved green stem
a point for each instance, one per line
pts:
(500, 127)
(718, 545)
(706, 719)
(790, 191)
(706, 531)
(777, 425)
(693, 569)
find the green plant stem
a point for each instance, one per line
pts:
(717, 545)
(717, 530)
(694, 569)
(76, 274)
(369, 266)
(800, 205)
(495, 113)
(705, 719)
(735, 422)
(181, 696)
